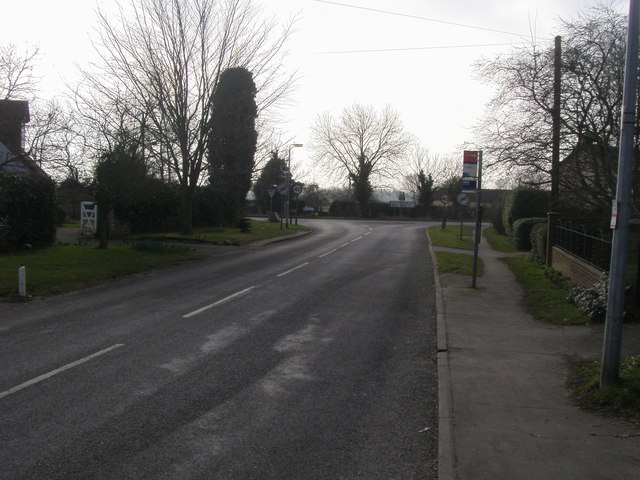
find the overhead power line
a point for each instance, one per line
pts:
(412, 48)
(416, 17)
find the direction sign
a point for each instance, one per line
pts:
(462, 199)
(469, 185)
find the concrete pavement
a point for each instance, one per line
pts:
(504, 408)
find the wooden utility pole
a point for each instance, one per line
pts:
(555, 149)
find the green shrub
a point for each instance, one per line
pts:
(28, 213)
(153, 207)
(521, 232)
(592, 301)
(539, 241)
(523, 203)
(244, 224)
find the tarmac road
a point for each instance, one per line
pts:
(307, 359)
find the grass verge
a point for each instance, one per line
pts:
(460, 263)
(66, 268)
(498, 242)
(260, 230)
(545, 299)
(450, 237)
(621, 399)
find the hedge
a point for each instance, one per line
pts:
(28, 211)
(523, 203)
(521, 232)
(539, 241)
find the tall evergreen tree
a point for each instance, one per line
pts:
(272, 174)
(233, 140)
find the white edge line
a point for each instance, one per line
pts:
(356, 239)
(294, 268)
(343, 245)
(328, 253)
(219, 302)
(59, 370)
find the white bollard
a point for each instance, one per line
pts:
(22, 281)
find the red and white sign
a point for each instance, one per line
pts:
(470, 160)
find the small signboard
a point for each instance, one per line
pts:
(469, 185)
(470, 159)
(462, 199)
(614, 215)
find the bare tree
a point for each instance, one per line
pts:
(57, 142)
(516, 129)
(439, 167)
(361, 146)
(16, 73)
(161, 60)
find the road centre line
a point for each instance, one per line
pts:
(328, 253)
(344, 245)
(294, 268)
(59, 370)
(219, 302)
(356, 239)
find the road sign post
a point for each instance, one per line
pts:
(463, 201)
(297, 190)
(472, 183)
(444, 199)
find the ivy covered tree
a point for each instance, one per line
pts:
(425, 191)
(232, 141)
(119, 174)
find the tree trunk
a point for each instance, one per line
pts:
(103, 224)
(187, 210)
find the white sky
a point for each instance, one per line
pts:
(434, 89)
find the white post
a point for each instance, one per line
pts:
(22, 281)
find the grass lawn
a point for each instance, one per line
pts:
(260, 230)
(622, 399)
(461, 263)
(65, 268)
(546, 299)
(498, 242)
(450, 237)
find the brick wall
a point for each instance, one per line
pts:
(579, 271)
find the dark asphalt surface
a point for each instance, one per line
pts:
(307, 359)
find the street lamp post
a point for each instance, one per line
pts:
(288, 181)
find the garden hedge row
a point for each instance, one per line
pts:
(28, 211)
